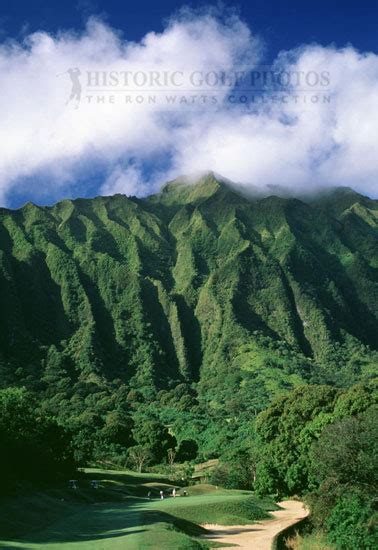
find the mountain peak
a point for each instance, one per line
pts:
(194, 189)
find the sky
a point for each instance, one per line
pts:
(104, 97)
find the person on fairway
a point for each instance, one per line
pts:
(161, 495)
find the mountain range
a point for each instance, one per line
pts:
(199, 284)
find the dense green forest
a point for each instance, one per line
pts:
(200, 320)
(322, 442)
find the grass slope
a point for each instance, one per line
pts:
(118, 515)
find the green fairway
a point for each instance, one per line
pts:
(119, 515)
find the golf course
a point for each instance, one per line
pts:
(120, 514)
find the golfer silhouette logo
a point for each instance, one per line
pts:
(75, 96)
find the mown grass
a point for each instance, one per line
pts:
(119, 514)
(220, 508)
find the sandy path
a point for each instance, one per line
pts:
(258, 536)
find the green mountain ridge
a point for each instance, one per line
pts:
(197, 284)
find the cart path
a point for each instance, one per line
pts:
(259, 535)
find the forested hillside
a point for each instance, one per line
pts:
(196, 303)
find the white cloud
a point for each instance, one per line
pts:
(331, 143)
(126, 180)
(293, 144)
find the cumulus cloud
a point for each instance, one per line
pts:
(59, 125)
(332, 141)
(126, 180)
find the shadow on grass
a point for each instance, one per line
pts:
(9, 546)
(99, 523)
(125, 477)
(133, 484)
(231, 531)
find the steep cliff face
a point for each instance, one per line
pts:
(196, 283)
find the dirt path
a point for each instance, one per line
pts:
(258, 536)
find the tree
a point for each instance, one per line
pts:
(139, 456)
(153, 435)
(347, 451)
(237, 470)
(350, 523)
(286, 431)
(345, 464)
(116, 434)
(171, 455)
(188, 450)
(34, 446)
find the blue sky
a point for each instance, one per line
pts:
(283, 25)
(53, 151)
